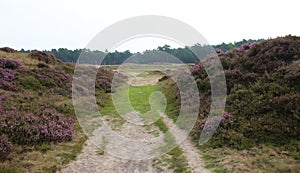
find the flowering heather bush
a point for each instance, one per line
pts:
(263, 94)
(45, 57)
(7, 49)
(48, 79)
(42, 65)
(5, 145)
(104, 83)
(267, 56)
(196, 68)
(4, 96)
(55, 76)
(8, 73)
(226, 120)
(219, 51)
(9, 64)
(104, 79)
(46, 125)
(245, 47)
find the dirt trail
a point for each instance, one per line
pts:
(91, 161)
(190, 151)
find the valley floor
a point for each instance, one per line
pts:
(99, 158)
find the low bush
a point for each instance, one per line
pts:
(7, 49)
(45, 125)
(263, 94)
(44, 57)
(8, 72)
(5, 146)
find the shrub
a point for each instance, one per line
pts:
(7, 49)
(263, 94)
(42, 56)
(5, 145)
(45, 125)
(9, 64)
(8, 73)
(42, 65)
(30, 82)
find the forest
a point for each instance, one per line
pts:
(183, 54)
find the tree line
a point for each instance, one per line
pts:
(184, 54)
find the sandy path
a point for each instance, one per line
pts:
(190, 151)
(90, 161)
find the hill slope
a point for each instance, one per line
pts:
(38, 128)
(262, 108)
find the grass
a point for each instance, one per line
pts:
(102, 149)
(148, 101)
(141, 100)
(175, 158)
(150, 73)
(169, 89)
(256, 159)
(23, 58)
(108, 109)
(178, 161)
(10, 170)
(139, 97)
(43, 148)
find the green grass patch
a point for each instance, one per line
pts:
(178, 161)
(108, 108)
(10, 170)
(30, 82)
(161, 125)
(43, 147)
(139, 97)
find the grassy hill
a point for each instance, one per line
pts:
(38, 128)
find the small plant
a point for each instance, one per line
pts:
(8, 73)
(10, 170)
(102, 149)
(43, 147)
(5, 146)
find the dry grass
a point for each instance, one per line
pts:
(23, 58)
(257, 159)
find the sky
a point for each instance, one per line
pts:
(47, 24)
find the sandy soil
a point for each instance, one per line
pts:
(190, 151)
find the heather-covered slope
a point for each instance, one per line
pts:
(262, 108)
(263, 91)
(38, 128)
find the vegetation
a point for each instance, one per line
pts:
(38, 129)
(183, 54)
(140, 97)
(262, 106)
(259, 131)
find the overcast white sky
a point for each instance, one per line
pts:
(47, 24)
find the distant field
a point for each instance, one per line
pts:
(147, 67)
